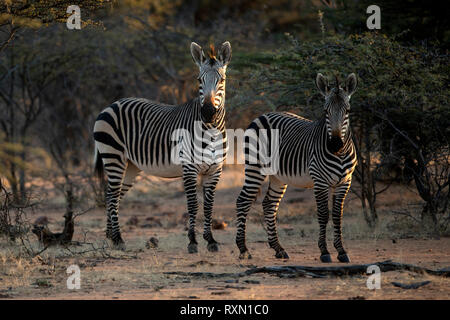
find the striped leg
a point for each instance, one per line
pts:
(270, 205)
(252, 185)
(321, 195)
(190, 174)
(209, 189)
(115, 173)
(130, 175)
(338, 207)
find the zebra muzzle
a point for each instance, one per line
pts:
(208, 112)
(334, 144)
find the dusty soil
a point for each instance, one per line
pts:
(157, 210)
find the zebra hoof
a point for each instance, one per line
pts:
(245, 255)
(343, 258)
(192, 248)
(213, 247)
(325, 258)
(282, 255)
(119, 245)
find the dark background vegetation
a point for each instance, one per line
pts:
(54, 81)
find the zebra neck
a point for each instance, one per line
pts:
(219, 122)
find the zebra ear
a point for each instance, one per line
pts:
(322, 84)
(351, 83)
(197, 54)
(225, 53)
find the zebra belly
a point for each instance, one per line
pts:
(303, 181)
(168, 171)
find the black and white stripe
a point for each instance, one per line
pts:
(134, 135)
(312, 154)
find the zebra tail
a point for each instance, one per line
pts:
(98, 165)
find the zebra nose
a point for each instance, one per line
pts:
(335, 143)
(208, 112)
(336, 132)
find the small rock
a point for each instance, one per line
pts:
(153, 223)
(219, 293)
(219, 224)
(252, 281)
(232, 281)
(152, 243)
(133, 221)
(357, 298)
(43, 283)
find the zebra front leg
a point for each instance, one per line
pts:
(338, 207)
(209, 189)
(190, 174)
(270, 204)
(321, 195)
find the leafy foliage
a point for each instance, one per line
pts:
(400, 111)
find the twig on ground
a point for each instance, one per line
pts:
(414, 285)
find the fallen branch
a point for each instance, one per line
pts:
(414, 285)
(319, 272)
(49, 238)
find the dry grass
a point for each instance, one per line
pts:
(139, 272)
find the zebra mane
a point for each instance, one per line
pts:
(212, 54)
(337, 81)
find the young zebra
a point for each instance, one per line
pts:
(134, 135)
(318, 154)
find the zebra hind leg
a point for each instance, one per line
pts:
(248, 194)
(115, 175)
(270, 204)
(130, 175)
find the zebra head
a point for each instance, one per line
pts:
(212, 79)
(337, 108)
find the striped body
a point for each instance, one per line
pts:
(308, 158)
(136, 135)
(143, 134)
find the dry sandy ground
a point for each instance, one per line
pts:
(157, 211)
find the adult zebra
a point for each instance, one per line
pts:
(318, 154)
(134, 135)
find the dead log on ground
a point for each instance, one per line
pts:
(414, 285)
(319, 272)
(48, 238)
(348, 270)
